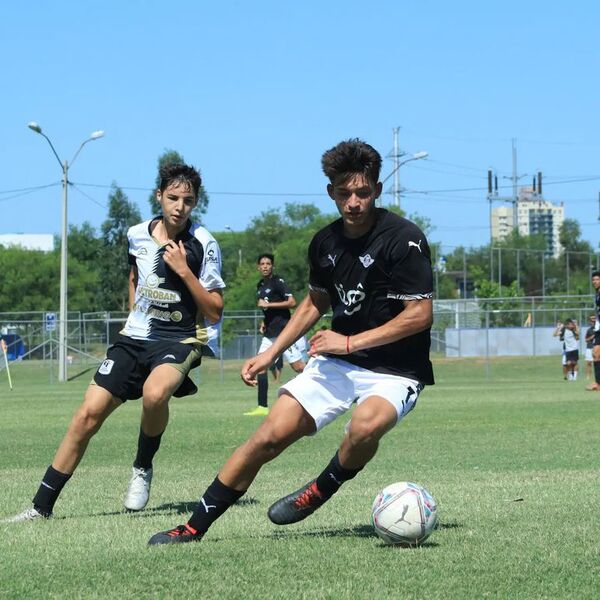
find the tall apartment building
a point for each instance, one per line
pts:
(502, 222)
(534, 216)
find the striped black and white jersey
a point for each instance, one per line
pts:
(367, 280)
(163, 308)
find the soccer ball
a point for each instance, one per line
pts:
(404, 513)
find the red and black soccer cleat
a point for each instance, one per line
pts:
(180, 535)
(298, 505)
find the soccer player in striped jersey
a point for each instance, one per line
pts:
(176, 304)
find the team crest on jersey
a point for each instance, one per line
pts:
(366, 260)
(352, 298)
(153, 280)
(106, 366)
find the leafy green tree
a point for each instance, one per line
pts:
(173, 157)
(122, 214)
(84, 243)
(30, 279)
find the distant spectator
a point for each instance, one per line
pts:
(557, 333)
(570, 336)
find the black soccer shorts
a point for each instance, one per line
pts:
(129, 362)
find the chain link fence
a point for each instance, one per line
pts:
(485, 328)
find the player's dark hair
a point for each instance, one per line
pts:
(595, 273)
(179, 173)
(268, 255)
(351, 157)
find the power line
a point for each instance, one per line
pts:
(88, 196)
(31, 189)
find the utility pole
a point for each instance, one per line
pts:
(396, 188)
(396, 154)
(493, 196)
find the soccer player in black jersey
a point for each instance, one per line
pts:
(275, 298)
(372, 270)
(595, 386)
(176, 303)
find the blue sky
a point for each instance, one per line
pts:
(252, 93)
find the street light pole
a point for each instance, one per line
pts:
(62, 318)
(62, 323)
(397, 190)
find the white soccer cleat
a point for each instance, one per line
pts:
(31, 514)
(138, 492)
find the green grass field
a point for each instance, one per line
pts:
(510, 453)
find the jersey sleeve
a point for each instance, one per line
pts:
(411, 273)
(316, 277)
(210, 274)
(283, 288)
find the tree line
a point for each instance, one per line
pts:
(98, 266)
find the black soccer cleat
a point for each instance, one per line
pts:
(298, 505)
(180, 535)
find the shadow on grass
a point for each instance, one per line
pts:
(81, 373)
(168, 507)
(360, 531)
(448, 525)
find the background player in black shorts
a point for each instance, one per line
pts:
(372, 269)
(275, 298)
(176, 306)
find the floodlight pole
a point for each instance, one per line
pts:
(63, 315)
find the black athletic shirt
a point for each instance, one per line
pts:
(367, 280)
(274, 289)
(597, 324)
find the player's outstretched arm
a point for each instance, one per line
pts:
(416, 317)
(309, 311)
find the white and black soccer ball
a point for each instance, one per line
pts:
(404, 513)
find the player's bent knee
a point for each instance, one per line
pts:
(86, 422)
(154, 399)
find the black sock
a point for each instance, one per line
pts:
(597, 371)
(331, 479)
(52, 484)
(216, 500)
(147, 448)
(263, 389)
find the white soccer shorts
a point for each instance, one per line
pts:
(291, 355)
(328, 387)
(588, 355)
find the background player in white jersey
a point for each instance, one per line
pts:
(275, 298)
(372, 269)
(570, 337)
(175, 309)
